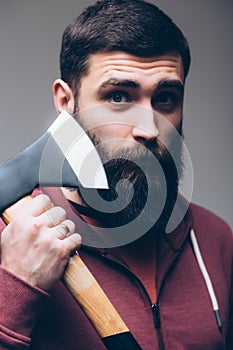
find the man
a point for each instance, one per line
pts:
(116, 55)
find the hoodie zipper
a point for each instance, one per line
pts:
(154, 307)
(156, 315)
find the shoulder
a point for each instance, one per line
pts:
(206, 220)
(212, 230)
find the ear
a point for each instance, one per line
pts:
(63, 97)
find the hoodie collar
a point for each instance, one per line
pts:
(172, 241)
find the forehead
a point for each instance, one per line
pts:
(104, 65)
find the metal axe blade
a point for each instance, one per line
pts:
(63, 156)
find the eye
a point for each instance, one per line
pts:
(118, 97)
(165, 98)
(166, 101)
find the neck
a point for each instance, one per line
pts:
(142, 247)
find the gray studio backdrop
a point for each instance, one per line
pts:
(30, 35)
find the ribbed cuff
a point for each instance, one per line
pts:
(20, 303)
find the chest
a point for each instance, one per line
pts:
(186, 317)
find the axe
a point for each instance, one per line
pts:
(57, 159)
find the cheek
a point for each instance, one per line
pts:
(169, 127)
(86, 95)
(175, 119)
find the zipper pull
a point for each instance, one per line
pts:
(156, 314)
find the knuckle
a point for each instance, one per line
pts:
(54, 216)
(62, 230)
(32, 227)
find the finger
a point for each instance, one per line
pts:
(29, 206)
(40, 204)
(64, 229)
(51, 217)
(72, 242)
(19, 207)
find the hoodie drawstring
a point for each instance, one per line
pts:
(207, 279)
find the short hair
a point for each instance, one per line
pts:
(132, 26)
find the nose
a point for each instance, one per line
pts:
(145, 128)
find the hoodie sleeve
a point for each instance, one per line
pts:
(20, 307)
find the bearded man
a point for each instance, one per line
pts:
(123, 65)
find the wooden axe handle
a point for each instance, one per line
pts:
(98, 308)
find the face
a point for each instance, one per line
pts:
(137, 96)
(121, 81)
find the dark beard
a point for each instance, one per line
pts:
(161, 183)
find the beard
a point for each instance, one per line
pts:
(132, 178)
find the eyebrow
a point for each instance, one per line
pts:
(119, 82)
(171, 83)
(165, 83)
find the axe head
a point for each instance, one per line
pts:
(63, 156)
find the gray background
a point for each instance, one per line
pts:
(30, 35)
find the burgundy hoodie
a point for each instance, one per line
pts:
(181, 319)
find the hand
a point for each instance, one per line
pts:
(37, 244)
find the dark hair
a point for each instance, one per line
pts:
(132, 26)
